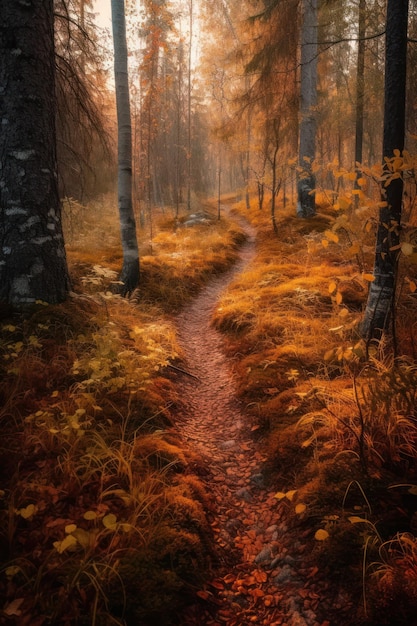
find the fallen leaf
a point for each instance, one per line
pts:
(204, 595)
(321, 534)
(217, 584)
(14, 607)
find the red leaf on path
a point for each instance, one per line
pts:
(230, 578)
(204, 595)
(217, 584)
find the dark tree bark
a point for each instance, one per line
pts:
(360, 87)
(32, 254)
(382, 290)
(306, 204)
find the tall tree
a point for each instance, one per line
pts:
(308, 103)
(382, 289)
(189, 103)
(360, 85)
(32, 254)
(129, 277)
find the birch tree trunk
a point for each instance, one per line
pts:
(32, 254)
(382, 289)
(306, 205)
(129, 277)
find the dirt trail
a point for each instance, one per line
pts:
(263, 577)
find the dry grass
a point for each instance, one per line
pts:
(330, 419)
(98, 497)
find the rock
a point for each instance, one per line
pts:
(271, 529)
(257, 479)
(285, 576)
(264, 555)
(226, 445)
(244, 494)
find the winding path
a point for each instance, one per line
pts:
(262, 575)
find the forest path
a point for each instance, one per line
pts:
(262, 577)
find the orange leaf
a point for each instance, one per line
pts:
(204, 595)
(217, 584)
(230, 578)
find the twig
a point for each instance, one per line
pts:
(178, 369)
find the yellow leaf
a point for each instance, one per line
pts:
(369, 277)
(407, 248)
(357, 520)
(321, 534)
(324, 243)
(361, 181)
(332, 286)
(90, 515)
(12, 571)
(413, 286)
(290, 494)
(280, 495)
(28, 511)
(9, 327)
(65, 544)
(109, 521)
(339, 298)
(126, 527)
(69, 528)
(300, 508)
(83, 537)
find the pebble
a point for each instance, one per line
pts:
(258, 480)
(286, 575)
(244, 494)
(264, 555)
(227, 445)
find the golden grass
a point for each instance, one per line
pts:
(92, 470)
(95, 473)
(330, 420)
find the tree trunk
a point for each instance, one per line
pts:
(32, 255)
(306, 205)
(382, 289)
(189, 112)
(360, 89)
(129, 277)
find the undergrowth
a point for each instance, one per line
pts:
(102, 517)
(340, 429)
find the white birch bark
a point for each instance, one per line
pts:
(129, 277)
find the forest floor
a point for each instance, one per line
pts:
(221, 442)
(264, 573)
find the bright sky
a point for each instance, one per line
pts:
(103, 9)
